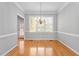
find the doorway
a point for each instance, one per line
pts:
(20, 27)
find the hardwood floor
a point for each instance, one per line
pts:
(41, 48)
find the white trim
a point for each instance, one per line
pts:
(41, 32)
(42, 12)
(9, 50)
(2, 36)
(65, 4)
(17, 4)
(69, 47)
(20, 15)
(24, 27)
(24, 21)
(40, 39)
(70, 34)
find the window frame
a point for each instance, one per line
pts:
(44, 16)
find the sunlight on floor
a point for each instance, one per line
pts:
(33, 51)
(36, 51)
(41, 51)
(21, 47)
(49, 51)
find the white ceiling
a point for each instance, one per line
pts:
(45, 6)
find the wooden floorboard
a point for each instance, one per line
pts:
(55, 48)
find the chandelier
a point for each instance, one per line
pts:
(40, 20)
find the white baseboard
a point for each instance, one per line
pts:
(40, 39)
(8, 50)
(69, 47)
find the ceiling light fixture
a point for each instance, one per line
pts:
(40, 21)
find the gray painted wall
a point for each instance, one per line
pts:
(68, 22)
(38, 35)
(8, 25)
(7, 18)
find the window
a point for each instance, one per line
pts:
(41, 24)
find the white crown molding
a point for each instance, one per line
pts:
(65, 4)
(18, 6)
(20, 15)
(42, 12)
